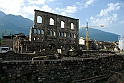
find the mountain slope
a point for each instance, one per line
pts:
(15, 24)
(18, 21)
(2, 14)
(98, 35)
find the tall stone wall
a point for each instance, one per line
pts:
(53, 31)
(66, 70)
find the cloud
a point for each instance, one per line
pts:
(107, 21)
(64, 13)
(84, 4)
(11, 6)
(71, 9)
(30, 9)
(122, 22)
(51, 0)
(89, 2)
(24, 7)
(67, 11)
(38, 2)
(47, 9)
(107, 16)
(111, 7)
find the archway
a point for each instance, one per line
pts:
(51, 46)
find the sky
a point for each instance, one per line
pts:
(109, 13)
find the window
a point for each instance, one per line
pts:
(54, 33)
(62, 24)
(51, 46)
(65, 34)
(51, 21)
(70, 35)
(42, 32)
(72, 25)
(74, 35)
(51, 32)
(59, 34)
(39, 32)
(35, 31)
(39, 19)
(62, 34)
(48, 32)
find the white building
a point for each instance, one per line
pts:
(81, 41)
(121, 42)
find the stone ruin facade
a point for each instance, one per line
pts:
(53, 32)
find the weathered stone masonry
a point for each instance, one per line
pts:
(66, 70)
(20, 68)
(54, 32)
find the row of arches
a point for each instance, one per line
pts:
(52, 22)
(38, 31)
(52, 32)
(64, 34)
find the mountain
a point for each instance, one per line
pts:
(2, 14)
(18, 24)
(15, 24)
(98, 34)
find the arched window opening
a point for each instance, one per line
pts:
(74, 41)
(39, 32)
(48, 32)
(42, 32)
(62, 34)
(51, 46)
(34, 38)
(38, 38)
(62, 24)
(35, 31)
(72, 25)
(54, 33)
(39, 19)
(65, 34)
(37, 48)
(74, 35)
(51, 32)
(42, 39)
(59, 34)
(51, 21)
(70, 35)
